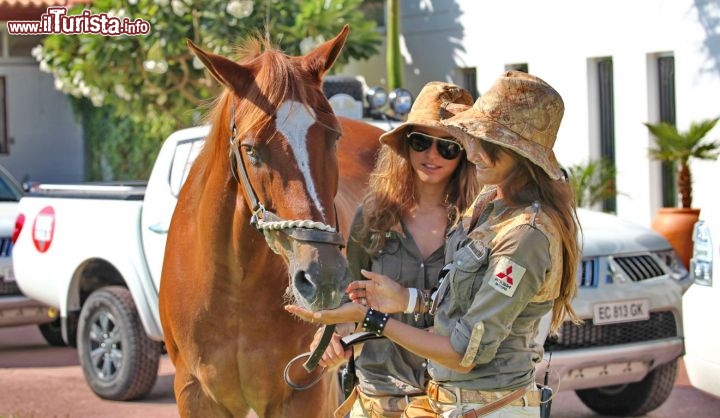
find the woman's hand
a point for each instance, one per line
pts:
(379, 292)
(334, 355)
(348, 312)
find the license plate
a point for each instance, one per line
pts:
(623, 311)
(612, 369)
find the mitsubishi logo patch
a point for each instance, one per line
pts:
(507, 276)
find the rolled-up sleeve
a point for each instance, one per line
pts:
(517, 267)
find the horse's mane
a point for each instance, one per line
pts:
(276, 78)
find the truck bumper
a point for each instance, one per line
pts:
(21, 310)
(607, 366)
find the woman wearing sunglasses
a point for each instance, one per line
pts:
(421, 183)
(513, 259)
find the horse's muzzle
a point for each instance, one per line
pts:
(319, 275)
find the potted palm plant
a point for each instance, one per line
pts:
(678, 148)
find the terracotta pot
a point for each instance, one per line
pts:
(676, 225)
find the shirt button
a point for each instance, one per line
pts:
(422, 265)
(424, 363)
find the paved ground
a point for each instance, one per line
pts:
(38, 381)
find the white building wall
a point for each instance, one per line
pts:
(46, 141)
(559, 40)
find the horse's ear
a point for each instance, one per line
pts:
(322, 58)
(229, 73)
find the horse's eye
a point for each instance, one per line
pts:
(334, 138)
(252, 154)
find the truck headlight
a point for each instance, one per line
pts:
(701, 262)
(401, 101)
(376, 97)
(672, 261)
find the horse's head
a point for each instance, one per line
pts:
(275, 127)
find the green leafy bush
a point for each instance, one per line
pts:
(593, 181)
(146, 86)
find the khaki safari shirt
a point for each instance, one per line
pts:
(383, 367)
(504, 276)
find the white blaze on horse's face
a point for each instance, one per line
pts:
(294, 121)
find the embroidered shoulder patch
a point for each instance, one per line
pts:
(507, 276)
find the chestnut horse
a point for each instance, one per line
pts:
(255, 227)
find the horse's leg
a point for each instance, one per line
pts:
(318, 402)
(193, 402)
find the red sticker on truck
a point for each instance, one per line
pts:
(44, 228)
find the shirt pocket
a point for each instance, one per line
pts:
(389, 259)
(467, 265)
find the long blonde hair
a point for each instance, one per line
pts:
(391, 190)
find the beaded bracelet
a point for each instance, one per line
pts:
(375, 321)
(425, 302)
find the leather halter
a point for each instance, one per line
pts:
(263, 219)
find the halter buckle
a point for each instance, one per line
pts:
(258, 214)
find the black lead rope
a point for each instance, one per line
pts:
(315, 356)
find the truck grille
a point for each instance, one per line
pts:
(660, 325)
(9, 289)
(6, 247)
(636, 268)
(588, 274)
(639, 267)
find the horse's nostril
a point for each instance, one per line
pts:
(304, 285)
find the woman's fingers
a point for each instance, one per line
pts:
(348, 312)
(334, 354)
(379, 292)
(300, 312)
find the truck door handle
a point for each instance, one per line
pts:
(159, 228)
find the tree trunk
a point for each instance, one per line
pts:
(685, 186)
(393, 61)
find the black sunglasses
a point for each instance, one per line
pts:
(447, 149)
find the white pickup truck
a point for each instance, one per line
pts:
(702, 300)
(95, 253)
(17, 309)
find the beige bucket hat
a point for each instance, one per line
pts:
(519, 111)
(436, 101)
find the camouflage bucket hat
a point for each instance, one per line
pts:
(520, 112)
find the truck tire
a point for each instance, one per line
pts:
(52, 332)
(632, 399)
(333, 85)
(119, 360)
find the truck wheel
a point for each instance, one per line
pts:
(52, 332)
(118, 359)
(333, 85)
(633, 399)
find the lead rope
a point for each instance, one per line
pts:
(346, 342)
(314, 358)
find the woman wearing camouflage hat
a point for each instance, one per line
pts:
(421, 184)
(513, 259)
